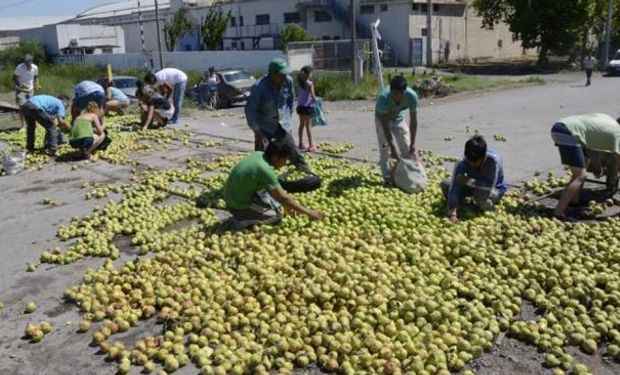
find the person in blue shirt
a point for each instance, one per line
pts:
(479, 175)
(396, 139)
(116, 100)
(45, 110)
(269, 110)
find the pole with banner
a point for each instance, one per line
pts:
(374, 27)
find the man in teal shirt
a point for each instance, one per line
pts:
(252, 187)
(396, 140)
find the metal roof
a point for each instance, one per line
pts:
(121, 8)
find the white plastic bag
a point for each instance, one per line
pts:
(409, 175)
(13, 162)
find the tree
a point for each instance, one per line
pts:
(174, 29)
(294, 33)
(549, 25)
(15, 55)
(214, 26)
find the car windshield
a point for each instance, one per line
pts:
(617, 56)
(236, 76)
(125, 83)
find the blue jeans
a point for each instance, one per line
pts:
(177, 98)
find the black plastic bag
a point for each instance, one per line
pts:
(304, 185)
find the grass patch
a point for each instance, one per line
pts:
(60, 79)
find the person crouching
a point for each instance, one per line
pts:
(87, 133)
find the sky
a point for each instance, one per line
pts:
(39, 8)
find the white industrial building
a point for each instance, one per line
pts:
(258, 24)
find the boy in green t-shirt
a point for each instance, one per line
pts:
(253, 185)
(396, 139)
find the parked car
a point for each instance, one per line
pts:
(127, 84)
(234, 87)
(613, 68)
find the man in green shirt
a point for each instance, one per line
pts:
(583, 141)
(252, 187)
(396, 140)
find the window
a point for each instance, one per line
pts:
(326, 37)
(423, 32)
(243, 45)
(262, 19)
(233, 45)
(435, 8)
(500, 43)
(336, 37)
(415, 7)
(292, 17)
(383, 7)
(423, 8)
(240, 20)
(322, 16)
(107, 50)
(233, 21)
(367, 9)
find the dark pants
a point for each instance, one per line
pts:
(262, 211)
(297, 159)
(33, 114)
(485, 200)
(589, 77)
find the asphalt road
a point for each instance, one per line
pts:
(524, 116)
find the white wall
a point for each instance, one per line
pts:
(91, 35)
(299, 58)
(195, 61)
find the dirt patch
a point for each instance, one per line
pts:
(597, 364)
(123, 243)
(62, 308)
(511, 356)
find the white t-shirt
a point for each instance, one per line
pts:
(590, 63)
(171, 76)
(25, 77)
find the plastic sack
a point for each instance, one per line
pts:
(319, 116)
(13, 162)
(409, 175)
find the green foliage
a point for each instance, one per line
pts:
(550, 25)
(294, 33)
(174, 29)
(13, 56)
(214, 25)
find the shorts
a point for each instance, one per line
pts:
(165, 113)
(82, 102)
(303, 110)
(571, 151)
(82, 142)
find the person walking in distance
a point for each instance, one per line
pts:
(589, 64)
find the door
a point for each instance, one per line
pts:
(417, 51)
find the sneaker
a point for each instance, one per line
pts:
(313, 148)
(303, 147)
(50, 152)
(172, 122)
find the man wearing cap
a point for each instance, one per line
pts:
(396, 140)
(25, 77)
(269, 110)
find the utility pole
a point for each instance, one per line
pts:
(608, 32)
(353, 40)
(161, 58)
(142, 35)
(429, 33)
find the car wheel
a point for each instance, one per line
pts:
(224, 102)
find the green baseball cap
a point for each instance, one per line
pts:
(279, 66)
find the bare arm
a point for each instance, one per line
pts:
(288, 202)
(16, 80)
(149, 117)
(98, 128)
(36, 82)
(63, 124)
(413, 129)
(385, 125)
(168, 90)
(312, 92)
(108, 93)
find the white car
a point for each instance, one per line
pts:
(613, 67)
